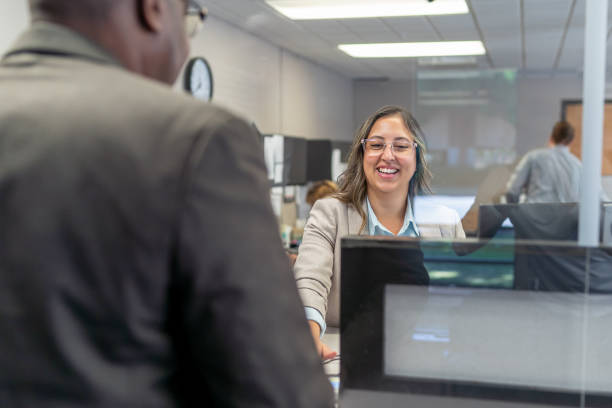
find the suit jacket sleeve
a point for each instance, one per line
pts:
(314, 266)
(241, 334)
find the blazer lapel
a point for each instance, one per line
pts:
(354, 220)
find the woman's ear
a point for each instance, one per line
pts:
(151, 14)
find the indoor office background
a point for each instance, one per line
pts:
(480, 114)
(289, 78)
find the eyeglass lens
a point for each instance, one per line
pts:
(377, 146)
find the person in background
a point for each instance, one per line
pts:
(548, 175)
(386, 169)
(320, 189)
(122, 205)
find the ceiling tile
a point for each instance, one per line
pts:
(499, 21)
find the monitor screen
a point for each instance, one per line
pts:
(506, 338)
(498, 319)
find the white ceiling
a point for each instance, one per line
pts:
(538, 36)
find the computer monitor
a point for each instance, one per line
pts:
(419, 320)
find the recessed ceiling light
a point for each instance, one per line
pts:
(415, 49)
(336, 9)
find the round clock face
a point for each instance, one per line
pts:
(198, 79)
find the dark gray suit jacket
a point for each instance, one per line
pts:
(140, 262)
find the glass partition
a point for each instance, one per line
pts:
(481, 114)
(501, 321)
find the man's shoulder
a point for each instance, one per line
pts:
(140, 103)
(539, 152)
(154, 96)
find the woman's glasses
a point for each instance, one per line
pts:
(399, 147)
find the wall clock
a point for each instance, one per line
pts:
(198, 79)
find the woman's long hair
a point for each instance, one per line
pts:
(352, 182)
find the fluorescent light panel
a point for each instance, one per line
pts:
(338, 9)
(415, 49)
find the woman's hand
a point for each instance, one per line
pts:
(324, 351)
(292, 258)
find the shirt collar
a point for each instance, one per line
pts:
(45, 37)
(409, 227)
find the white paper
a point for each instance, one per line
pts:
(276, 198)
(337, 166)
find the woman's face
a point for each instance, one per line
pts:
(388, 171)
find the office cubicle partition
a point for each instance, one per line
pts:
(445, 319)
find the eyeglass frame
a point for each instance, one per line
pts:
(414, 146)
(194, 18)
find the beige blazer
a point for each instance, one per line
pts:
(317, 268)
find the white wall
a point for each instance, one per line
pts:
(14, 18)
(539, 107)
(316, 103)
(371, 95)
(280, 92)
(246, 72)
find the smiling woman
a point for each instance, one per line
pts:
(386, 169)
(388, 124)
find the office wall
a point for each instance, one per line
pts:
(274, 88)
(316, 103)
(538, 105)
(373, 94)
(246, 72)
(14, 18)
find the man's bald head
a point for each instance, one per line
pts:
(146, 36)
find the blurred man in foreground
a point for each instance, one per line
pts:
(121, 207)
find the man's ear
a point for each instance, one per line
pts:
(151, 14)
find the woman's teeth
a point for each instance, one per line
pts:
(387, 171)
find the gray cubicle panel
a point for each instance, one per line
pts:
(294, 153)
(318, 161)
(464, 331)
(344, 147)
(320, 158)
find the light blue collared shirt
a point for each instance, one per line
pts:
(409, 229)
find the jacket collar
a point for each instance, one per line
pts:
(49, 38)
(354, 220)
